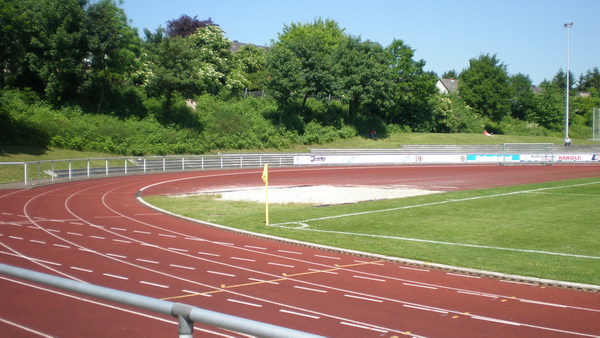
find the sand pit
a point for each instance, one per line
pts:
(319, 195)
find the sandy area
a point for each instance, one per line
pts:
(320, 195)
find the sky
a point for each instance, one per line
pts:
(527, 36)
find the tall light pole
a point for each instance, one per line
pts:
(567, 26)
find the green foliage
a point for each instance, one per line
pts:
(484, 86)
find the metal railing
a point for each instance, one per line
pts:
(187, 315)
(50, 171)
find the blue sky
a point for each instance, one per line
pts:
(528, 36)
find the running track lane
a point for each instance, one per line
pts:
(96, 231)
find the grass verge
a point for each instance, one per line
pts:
(543, 230)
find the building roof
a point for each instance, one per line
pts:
(447, 86)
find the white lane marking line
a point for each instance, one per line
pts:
(369, 278)
(283, 265)
(81, 269)
(119, 229)
(142, 232)
(542, 303)
(194, 239)
(328, 257)
(364, 298)
(74, 233)
(182, 267)
(323, 271)
(243, 303)
(121, 241)
(244, 259)
(309, 289)
(167, 235)
(146, 261)
(414, 269)
(53, 230)
(290, 252)
(36, 241)
(208, 254)
(496, 320)
(369, 262)
(115, 276)
(15, 237)
(472, 293)
(224, 243)
(421, 286)
(263, 281)
(221, 273)
(154, 284)
(197, 293)
(62, 246)
(115, 255)
(97, 237)
(462, 275)
(299, 314)
(178, 249)
(424, 308)
(364, 327)
(24, 328)
(254, 247)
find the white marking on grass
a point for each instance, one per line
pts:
(304, 226)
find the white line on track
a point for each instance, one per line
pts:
(121, 241)
(178, 249)
(36, 241)
(81, 269)
(15, 237)
(24, 328)
(298, 314)
(243, 303)
(420, 286)
(283, 265)
(364, 298)
(328, 257)
(309, 289)
(369, 278)
(208, 254)
(118, 229)
(142, 232)
(62, 246)
(462, 275)
(115, 276)
(290, 252)
(244, 259)
(322, 271)
(167, 235)
(220, 273)
(97, 237)
(424, 308)
(116, 255)
(263, 281)
(154, 284)
(479, 294)
(364, 327)
(146, 261)
(182, 267)
(414, 269)
(254, 247)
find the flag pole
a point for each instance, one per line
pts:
(265, 178)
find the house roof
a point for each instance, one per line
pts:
(448, 85)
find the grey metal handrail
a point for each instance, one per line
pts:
(186, 314)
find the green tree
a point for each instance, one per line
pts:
(114, 49)
(309, 48)
(523, 103)
(58, 47)
(485, 87)
(252, 62)
(412, 88)
(551, 107)
(362, 77)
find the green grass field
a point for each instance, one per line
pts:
(544, 230)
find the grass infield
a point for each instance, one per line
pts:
(549, 230)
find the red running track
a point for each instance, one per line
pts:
(96, 231)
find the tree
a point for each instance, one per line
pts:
(484, 86)
(523, 103)
(362, 77)
(309, 48)
(412, 88)
(551, 106)
(58, 47)
(114, 48)
(186, 25)
(252, 62)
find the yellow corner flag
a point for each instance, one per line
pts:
(265, 174)
(265, 178)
